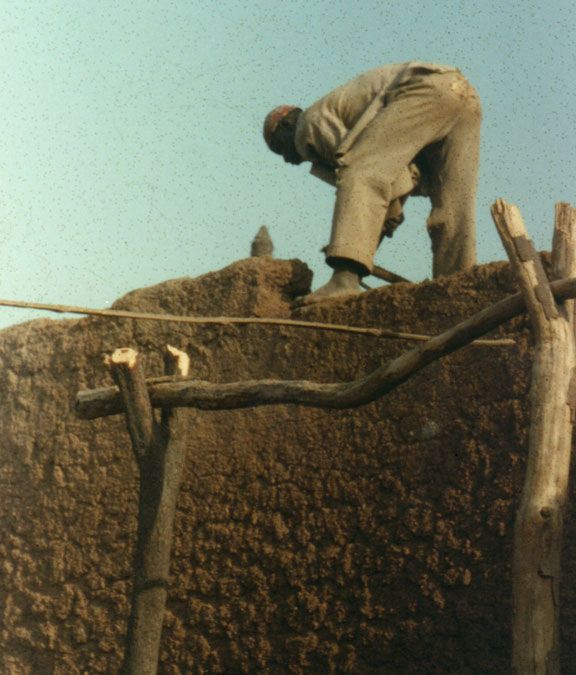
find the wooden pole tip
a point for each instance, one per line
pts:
(179, 359)
(124, 356)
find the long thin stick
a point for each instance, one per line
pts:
(386, 275)
(229, 320)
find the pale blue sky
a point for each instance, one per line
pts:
(131, 132)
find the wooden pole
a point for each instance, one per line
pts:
(229, 321)
(160, 451)
(164, 392)
(539, 522)
(386, 275)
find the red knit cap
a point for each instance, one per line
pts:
(273, 119)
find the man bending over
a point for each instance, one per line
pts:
(398, 130)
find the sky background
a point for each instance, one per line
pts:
(131, 131)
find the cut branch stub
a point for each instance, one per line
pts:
(125, 367)
(176, 362)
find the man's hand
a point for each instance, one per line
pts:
(394, 218)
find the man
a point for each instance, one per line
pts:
(411, 128)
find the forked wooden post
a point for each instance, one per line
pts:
(160, 451)
(539, 521)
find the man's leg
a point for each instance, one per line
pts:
(345, 281)
(452, 221)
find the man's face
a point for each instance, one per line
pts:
(282, 143)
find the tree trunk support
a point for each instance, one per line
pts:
(539, 521)
(160, 449)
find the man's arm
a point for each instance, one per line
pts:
(324, 172)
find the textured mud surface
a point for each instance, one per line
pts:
(375, 540)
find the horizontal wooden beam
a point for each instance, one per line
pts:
(169, 392)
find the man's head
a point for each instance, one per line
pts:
(280, 131)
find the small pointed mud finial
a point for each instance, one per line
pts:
(262, 243)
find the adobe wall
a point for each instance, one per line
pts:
(375, 540)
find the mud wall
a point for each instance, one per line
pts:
(375, 540)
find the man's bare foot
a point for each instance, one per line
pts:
(342, 283)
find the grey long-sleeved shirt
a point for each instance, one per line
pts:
(330, 126)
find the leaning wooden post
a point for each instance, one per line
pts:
(160, 452)
(539, 521)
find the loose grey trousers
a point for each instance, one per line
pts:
(438, 115)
